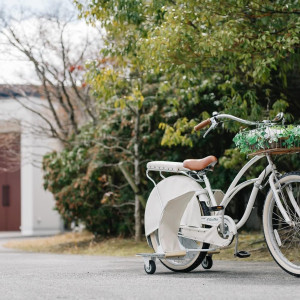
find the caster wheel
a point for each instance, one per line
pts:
(152, 267)
(207, 262)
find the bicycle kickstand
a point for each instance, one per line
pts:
(242, 253)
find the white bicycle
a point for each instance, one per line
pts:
(186, 224)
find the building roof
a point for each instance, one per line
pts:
(10, 91)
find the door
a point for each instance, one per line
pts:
(10, 184)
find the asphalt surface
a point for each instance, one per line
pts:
(50, 276)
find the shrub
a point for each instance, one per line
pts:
(83, 191)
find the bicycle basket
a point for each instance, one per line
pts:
(274, 139)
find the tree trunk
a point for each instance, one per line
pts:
(132, 184)
(137, 180)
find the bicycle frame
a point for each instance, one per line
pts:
(178, 230)
(234, 189)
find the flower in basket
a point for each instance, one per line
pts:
(268, 137)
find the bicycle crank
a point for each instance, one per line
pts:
(212, 233)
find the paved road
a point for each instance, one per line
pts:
(48, 276)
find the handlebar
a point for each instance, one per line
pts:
(216, 118)
(225, 116)
(213, 121)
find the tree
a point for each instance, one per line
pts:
(85, 189)
(252, 45)
(127, 84)
(230, 56)
(56, 49)
(247, 49)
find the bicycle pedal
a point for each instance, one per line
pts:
(242, 254)
(216, 208)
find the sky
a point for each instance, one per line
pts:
(12, 67)
(35, 5)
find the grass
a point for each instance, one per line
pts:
(250, 242)
(85, 244)
(80, 243)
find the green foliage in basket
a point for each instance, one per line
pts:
(268, 137)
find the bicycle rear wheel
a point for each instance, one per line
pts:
(283, 240)
(191, 260)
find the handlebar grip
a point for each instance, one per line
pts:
(202, 124)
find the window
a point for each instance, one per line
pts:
(5, 195)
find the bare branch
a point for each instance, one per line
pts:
(119, 205)
(113, 147)
(49, 49)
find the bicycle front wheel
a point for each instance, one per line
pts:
(283, 240)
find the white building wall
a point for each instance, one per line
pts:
(26, 199)
(38, 216)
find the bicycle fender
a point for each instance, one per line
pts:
(168, 189)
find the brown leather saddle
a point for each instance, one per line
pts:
(200, 164)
